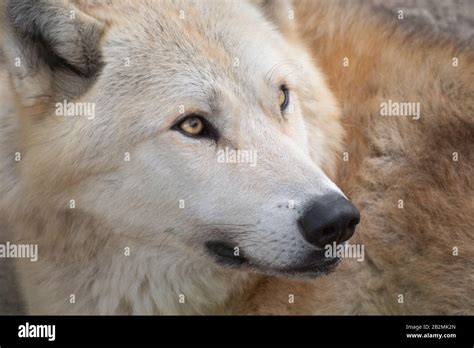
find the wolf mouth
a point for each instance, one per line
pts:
(312, 269)
(315, 265)
(225, 254)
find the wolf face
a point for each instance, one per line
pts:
(198, 140)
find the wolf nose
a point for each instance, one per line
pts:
(331, 218)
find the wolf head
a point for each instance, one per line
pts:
(198, 124)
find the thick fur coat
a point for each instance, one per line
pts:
(125, 247)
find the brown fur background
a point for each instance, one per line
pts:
(453, 17)
(409, 251)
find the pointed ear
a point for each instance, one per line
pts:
(53, 40)
(280, 13)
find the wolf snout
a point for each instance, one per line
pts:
(331, 218)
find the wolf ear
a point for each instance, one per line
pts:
(280, 13)
(54, 39)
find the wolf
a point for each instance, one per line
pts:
(132, 211)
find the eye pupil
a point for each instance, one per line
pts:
(192, 125)
(283, 97)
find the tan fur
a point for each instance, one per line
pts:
(408, 251)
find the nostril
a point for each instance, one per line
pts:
(349, 231)
(353, 223)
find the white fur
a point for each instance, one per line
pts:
(135, 204)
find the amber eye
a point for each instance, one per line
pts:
(283, 97)
(192, 125)
(196, 126)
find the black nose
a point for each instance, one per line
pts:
(332, 218)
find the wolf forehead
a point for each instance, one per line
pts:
(161, 45)
(196, 45)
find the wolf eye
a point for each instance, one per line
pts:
(196, 126)
(192, 125)
(283, 97)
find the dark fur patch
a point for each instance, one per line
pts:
(47, 35)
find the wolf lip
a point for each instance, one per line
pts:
(316, 265)
(313, 269)
(224, 253)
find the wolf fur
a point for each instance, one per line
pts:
(127, 248)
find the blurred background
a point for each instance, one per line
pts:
(453, 17)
